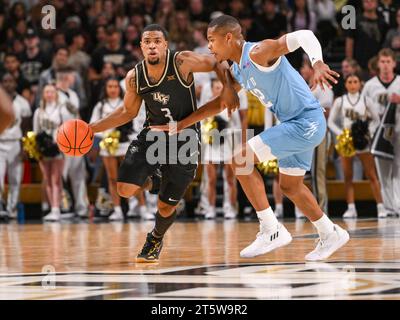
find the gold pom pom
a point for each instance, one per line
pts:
(344, 145)
(269, 167)
(208, 125)
(110, 142)
(30, 146)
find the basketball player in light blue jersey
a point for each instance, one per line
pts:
(262, 69)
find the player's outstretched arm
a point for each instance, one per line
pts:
(210, 109)
(268, 51)
(189, 62)
(124, 113)
(6, 111)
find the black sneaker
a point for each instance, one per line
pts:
(155, 182)
(151, 249)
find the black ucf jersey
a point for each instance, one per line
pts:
(170, 99)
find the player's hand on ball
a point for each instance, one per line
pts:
(323, 76)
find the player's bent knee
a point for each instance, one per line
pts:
(165, 209)
(127, 190)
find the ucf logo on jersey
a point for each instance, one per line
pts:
(162, 98)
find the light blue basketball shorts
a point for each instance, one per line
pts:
(292, 142)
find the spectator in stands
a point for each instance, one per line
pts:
(112, 52)
(181, 31)
(60, 61)
(387, 9)
(12, 66)
(165, 16)
(274, 22)
(197, 11)
(77, 56)
(236, 7)
(347, 109)
(393, 32)
(251, 29)
(10, 148)
(325, 12)
(364, 42)
(46, 120)
(33, 60)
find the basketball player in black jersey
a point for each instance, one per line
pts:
(6, 111)
(164, 81)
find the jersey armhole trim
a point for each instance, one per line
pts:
(137, 79)
(262, 68)
(182, 81)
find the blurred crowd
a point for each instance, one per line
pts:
(77, 70)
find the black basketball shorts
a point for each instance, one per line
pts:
(135, 169)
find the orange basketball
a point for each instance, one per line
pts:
(74, 138)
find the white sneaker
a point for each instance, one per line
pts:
(230, 213)
(350, 214)
(116, 216)
(266, 242)
(133, 213)
(52, 216)
(382, 212)
(13, 214)
(145, 214)
(327, 246)
(211, 213)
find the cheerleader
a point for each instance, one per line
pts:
(46, 120)
(215, 154)
(10, 148)
(354, 106)
(112, 98)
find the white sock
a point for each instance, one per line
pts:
(351, 206)
(267, 219)
(55, 210)
(324, 225)
(279, 207)
(45, 206)
(118, 209)
(380, 207)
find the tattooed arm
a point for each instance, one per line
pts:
(125, 112)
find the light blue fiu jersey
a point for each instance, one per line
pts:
(279, 87)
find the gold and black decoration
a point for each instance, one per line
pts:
(269, 167)
(344, 145)
(208, 126)
(383, 141)
(110, 142)
(30, 146)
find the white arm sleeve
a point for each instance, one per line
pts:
(333, 117)
(308, 41)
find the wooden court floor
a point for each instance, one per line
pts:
(200, 260)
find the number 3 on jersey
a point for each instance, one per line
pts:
(168, 114)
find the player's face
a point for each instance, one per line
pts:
(353, 84)
(154, 46)
(112, 89)
(218, 45)
(386, 64)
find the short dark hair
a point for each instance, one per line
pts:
(225, 22)
(155, 27)
(11, 54)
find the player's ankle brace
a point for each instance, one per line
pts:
(162, 224)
